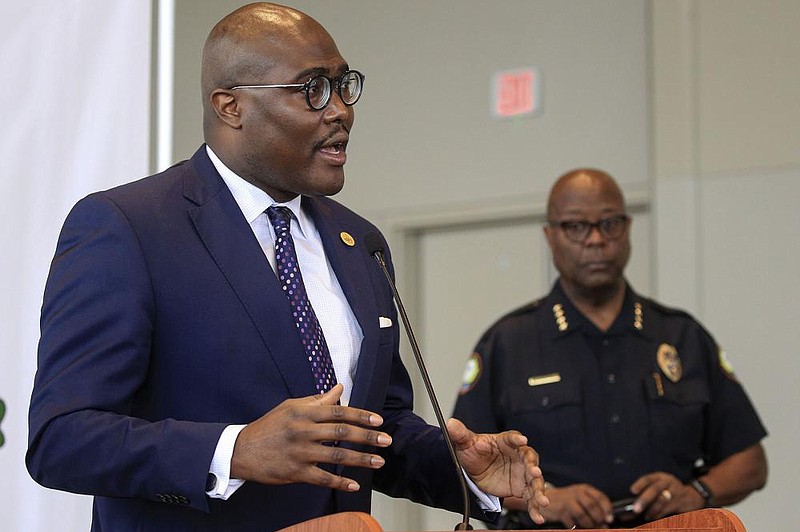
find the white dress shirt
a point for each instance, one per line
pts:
(342, 332)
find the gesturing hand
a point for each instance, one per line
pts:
(285, 445)
(502, 465)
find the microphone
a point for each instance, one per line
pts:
(374, 244)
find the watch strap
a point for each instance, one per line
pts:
(704, 491)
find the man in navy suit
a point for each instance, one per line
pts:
(172, 382)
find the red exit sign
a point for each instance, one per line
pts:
(516, 92)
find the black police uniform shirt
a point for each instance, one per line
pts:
(653, 393)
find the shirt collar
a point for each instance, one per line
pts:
(567, 318)
(252, 200)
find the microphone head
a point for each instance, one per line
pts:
(374, 243)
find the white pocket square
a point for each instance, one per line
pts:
(384, 322)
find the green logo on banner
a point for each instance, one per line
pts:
(2, 413)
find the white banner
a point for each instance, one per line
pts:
(76, 90)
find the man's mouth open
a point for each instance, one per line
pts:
(335, 153)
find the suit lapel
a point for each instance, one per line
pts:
(350, 265)
(230, 241)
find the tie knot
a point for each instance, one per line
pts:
(280, 217)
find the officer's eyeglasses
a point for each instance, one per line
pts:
(612, 227)
(318, 89)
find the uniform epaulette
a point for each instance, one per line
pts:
(663, 309)
(527, 308)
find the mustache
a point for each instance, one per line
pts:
(324, 140)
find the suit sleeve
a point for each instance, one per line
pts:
(97, 326)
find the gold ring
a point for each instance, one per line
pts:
(667, 495)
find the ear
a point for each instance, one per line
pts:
(548, 234)
(227, 107)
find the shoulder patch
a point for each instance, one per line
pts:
(472, 372)
(725, 364)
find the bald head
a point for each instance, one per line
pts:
(257, 115)
(245, 45)
(581, 181)
(590, 263)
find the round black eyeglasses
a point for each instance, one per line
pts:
(318, 89)
(612, 227)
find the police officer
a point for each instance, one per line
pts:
(627, 401)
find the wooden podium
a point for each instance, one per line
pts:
(708, 520)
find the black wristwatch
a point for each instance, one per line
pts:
(704, 491)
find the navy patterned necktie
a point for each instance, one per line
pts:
(308, 326)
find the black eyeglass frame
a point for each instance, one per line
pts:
(579, 230)
(335, 83)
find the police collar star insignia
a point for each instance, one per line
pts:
(669, 362)
(638, 321)
(561, 319)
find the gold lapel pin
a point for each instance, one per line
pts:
(347, 238)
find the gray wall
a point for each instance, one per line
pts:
(424, 139)
(727, 178)
(689, 103)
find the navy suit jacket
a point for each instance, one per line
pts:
(163, 322)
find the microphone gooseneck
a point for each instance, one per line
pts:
(374, 245)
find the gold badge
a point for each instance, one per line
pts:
(347, 238)
(669, 362)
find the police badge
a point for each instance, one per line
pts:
(669, 362)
